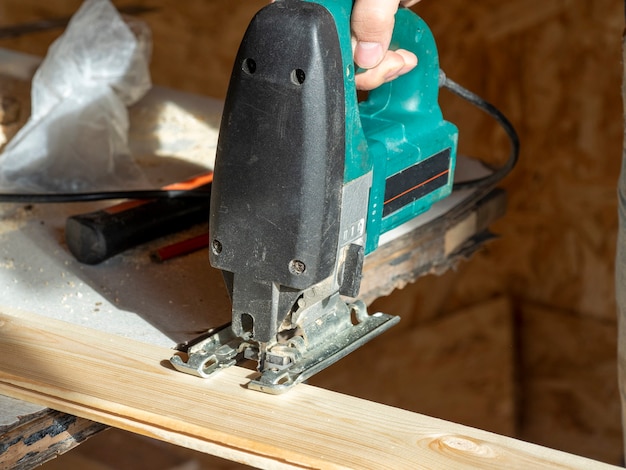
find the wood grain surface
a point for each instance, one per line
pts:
(128, 384)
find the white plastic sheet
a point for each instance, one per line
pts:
(77, 136)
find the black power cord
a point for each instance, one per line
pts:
(487, 181)
(495, 177)
(42, 198)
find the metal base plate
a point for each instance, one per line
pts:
(316, 360)
(223, 349)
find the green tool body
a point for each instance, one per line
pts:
(409, 147)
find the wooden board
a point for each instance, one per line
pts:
(122, 450)
(128, 384)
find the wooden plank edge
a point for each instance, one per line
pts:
(145, 429)
(48, 362)
(432, 248)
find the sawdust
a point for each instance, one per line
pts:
(14, 217)
(7, 263)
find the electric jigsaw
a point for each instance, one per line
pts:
(306, 181)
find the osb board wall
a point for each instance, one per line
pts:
(554, 67)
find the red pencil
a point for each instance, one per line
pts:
(181, 248)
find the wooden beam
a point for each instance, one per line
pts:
(127, 384)
(29, 444)
(433, 247)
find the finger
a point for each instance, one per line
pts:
(372, 26)
(410, 61)
(394, 64)
(408, 3)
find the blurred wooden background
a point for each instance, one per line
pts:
(520, 339)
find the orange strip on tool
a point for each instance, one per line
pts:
(416, 186)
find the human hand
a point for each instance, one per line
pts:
(372, 26)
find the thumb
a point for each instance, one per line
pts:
(372, 27)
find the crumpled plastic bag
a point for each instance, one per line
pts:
(77, 136)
